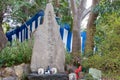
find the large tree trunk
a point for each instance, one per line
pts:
(76, 28)
(77, 13)
(91, 29)
(3, 39)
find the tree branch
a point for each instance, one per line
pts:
(73, 7)
(85, 12)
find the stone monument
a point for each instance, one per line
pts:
(48, 49)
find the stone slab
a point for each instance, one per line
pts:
(95, 73)
(48, 47)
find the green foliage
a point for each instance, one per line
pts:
(108, 64)
(68, 58)
(88, 77)
(5, 27)
(65, 12)
(37, 5)
(41, 3)
(106, 7)
(107, 39)
(20, 10)
(16, 54)
(107, 34)
(73, 59)
(3, 5)
(93, 61)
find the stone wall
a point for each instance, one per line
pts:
(15, 73)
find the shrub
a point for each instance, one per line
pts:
(93, 61)
(107, 39)
(108, 64)
(68, 58)
(88, 77)
(16, 53)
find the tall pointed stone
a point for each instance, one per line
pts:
(48, 47)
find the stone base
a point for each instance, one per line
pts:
(58, 76)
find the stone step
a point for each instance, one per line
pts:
(58, 76)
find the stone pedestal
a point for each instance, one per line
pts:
(58, 76)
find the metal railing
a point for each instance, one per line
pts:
(24, 32)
